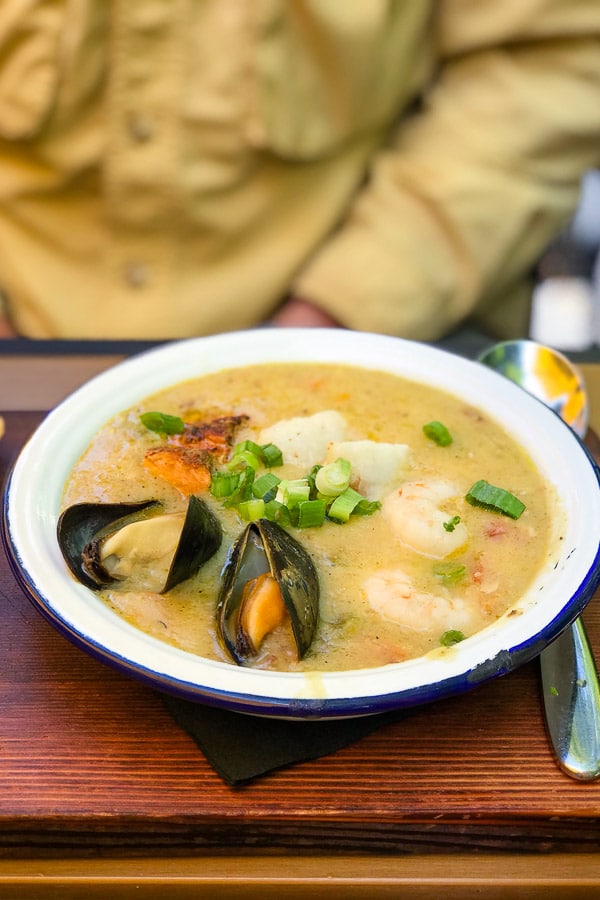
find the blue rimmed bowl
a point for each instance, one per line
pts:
(557, 596)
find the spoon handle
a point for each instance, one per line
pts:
(571, 696)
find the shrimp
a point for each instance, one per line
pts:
(416, 518)
(392, 594)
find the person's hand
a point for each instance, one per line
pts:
(299, 313)
(6, 329)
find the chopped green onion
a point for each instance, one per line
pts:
(251, 510)
(302, 502)
(162, 423)
(451, 637)
(277, 512)
(271, 456)
(223, 484)
(244, 488)
(311, 513)
(366, 507)
(266, 486)
(343, 506)
(293, 491)
(255, 455)
(247, 447)
(331, 480)
(451, 524)
(243, 458)
(437, 433)
(312, 480)
(495, 498)
(449, 572)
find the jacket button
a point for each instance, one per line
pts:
(137, 274)
(141, 128)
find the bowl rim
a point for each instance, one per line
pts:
(30, 511)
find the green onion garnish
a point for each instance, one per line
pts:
(251, 510)
(243, 490)
(223, 484)
(293, 491)
(451, 637)
(449, 572)
(333, 479)
(343, 506)
(277, 512)
(302, 502)
(244, 458)
(311, 513)
(247, 447)
(266, 486)
(366, 507)
(271, 456)
(437, 433)
(495, 498)
(162, 423)
(451, 524)
(255, 455)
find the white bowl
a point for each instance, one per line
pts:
(558, 595)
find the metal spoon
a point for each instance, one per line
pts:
(570, 687)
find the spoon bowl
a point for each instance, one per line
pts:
(546, 374)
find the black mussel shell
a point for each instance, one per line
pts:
(200, 539)
(79, 524)
(264, 546)
(82, 528)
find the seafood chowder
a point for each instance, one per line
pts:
(307, 517)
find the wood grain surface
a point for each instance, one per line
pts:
(91, 764)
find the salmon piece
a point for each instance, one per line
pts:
(187, 459)
(216, 436)
(186, 469)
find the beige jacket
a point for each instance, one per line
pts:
(177, 167)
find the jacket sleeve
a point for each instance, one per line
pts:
(462, 202)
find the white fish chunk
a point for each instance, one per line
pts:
(377, 467)
(304, 440)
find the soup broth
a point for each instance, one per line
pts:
(425, 569)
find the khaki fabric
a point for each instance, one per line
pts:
(178, 167)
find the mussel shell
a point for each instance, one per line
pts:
(82, 528)
(292, 567)
(200, 539)
(78, 525)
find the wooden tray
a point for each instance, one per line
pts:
(91, 763)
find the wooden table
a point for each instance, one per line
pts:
(100, 791)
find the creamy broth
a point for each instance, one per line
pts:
(358, 627)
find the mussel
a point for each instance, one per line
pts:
(268, 578)
(103, 543)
